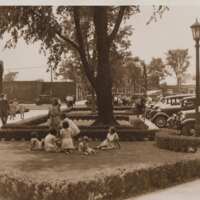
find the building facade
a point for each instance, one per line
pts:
(28, 91)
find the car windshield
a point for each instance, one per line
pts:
(173, 100)
(188, 101)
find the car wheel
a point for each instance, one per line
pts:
(160, 121)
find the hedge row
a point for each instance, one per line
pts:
(177, 142)
(125, 134)
(115, 185)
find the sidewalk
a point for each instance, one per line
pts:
(186, 191)
(80, 103)
(27, 115)
(30, 114)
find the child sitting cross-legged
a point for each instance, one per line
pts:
(50, 141)
(36, 143)
(111, 141)
(84, 147)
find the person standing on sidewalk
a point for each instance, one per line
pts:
(4, 109)
(54, 116)
(21, 110)
(15, 105)
(12, 110)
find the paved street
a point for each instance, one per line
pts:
(187, 191)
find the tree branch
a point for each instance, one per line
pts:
(117, 24)
(82, 52)
(72, 43)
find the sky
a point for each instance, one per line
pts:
(172, 31)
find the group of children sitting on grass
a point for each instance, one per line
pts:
(64, 141)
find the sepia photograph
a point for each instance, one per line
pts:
(99, 100)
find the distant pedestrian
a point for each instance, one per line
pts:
(4, 109)
(21, 108)
(180, 117)
(12, 110)
(140, 106)
(15, 106)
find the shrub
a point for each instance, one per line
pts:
(177, 142)
(137, 123)
(115, 184)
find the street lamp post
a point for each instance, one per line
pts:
(196, 36)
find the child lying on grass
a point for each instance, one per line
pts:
(36, 143)
(111, 141)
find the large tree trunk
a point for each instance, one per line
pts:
(104, 79)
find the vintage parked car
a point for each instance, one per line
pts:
(189, 121)
(160, 112)
(188, 102)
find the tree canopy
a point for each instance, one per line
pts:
(92, 35)
(157, 71)
(178, 60)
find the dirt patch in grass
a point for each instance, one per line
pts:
(16, 156)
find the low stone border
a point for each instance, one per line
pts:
(115, 184)
(177, 142)
(86, 108)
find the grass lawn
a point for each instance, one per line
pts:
(16, 156)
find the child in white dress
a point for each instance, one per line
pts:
(111, 141)
(50, 141)
(67, 144)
